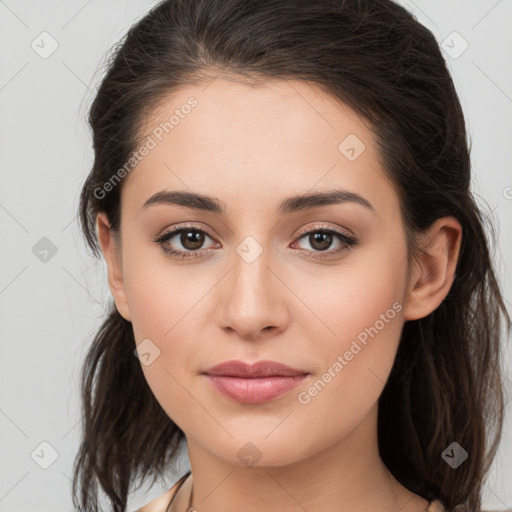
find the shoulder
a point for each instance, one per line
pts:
(160, 504)
(436, 506)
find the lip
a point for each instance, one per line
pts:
(254, 383)
(236, 368)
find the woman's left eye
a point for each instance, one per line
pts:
(192, 239)
(322, 239)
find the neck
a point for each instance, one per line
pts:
(347, 475)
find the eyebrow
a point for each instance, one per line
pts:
(290, 205)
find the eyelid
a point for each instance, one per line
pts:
(323, 227)
(180, 227)
(305, 230)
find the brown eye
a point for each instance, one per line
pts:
(184, 242)
(192, 240)
(320, 241)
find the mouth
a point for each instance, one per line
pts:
(254, 384)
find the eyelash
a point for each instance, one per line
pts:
(347, 241)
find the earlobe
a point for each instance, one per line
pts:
(112, 254)
(434, 269)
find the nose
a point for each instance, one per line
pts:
(253, 300)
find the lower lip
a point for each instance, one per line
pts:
(255, 391)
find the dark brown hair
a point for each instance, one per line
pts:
(447, 383)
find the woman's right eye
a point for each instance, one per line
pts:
(190, 238)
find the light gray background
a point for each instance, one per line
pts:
(50, 310)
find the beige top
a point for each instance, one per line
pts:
(160, 504)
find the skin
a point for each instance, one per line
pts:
(252, 147)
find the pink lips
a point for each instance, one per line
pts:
(256, 383)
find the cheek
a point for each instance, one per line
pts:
(361, 312)
(350, 298)
(163, 312)
(161, 295)
(166, 305)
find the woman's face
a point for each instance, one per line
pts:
(247, 284)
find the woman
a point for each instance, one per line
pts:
(302, 284)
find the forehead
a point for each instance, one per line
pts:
(250, 143)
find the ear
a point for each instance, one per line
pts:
(433, 271)
(112, 253)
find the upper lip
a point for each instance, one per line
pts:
(237, 368)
